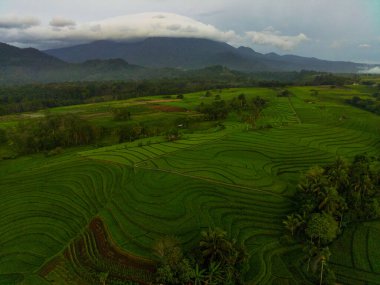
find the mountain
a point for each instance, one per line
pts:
(11, 56)
(152, 58)
(151, 52)
(31, 65)
(191, 53)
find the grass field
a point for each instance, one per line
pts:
(240, 180)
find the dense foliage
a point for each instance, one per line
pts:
(16, 99)
(50, 132)
(216, 260)
(372, 105)
(333, 79)
(219, 109)
(121, 114)
(329, 199)
(32, 97)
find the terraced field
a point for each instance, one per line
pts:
(360, 261)
(61, 216)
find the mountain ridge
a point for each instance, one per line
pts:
(193, 53)
(152, 58)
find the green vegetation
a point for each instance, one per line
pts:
(367, 104)
(121, 114)
(217, 260)
(33, 97)
(95, 212)
(329, 199)
(51, 132)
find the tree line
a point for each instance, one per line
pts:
(33, 97)
(54, 131)
(249, 110)
(217, 259)
(17, 99)
(51, 132)
(329, 199)
(371, 105)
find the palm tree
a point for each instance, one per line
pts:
(331, 202)
(293, 222)
(322, 258)
(215, 246)
(199, 275)
(214, 275)
(310, 250)
(338, 174)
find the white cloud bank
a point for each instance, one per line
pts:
(60, 22)
(274, 38)
(374, 70)
(62, 31)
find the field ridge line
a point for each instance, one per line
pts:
(218, 182)
(194, 146)
(81, 232)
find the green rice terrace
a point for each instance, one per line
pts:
(83, 213)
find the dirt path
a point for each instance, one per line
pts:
(294, 111)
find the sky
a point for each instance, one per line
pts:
(326, 29)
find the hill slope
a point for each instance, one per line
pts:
(31, 65)
(196, 53)
(242, 181)
(11, 56)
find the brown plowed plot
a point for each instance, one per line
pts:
(108, 250)
(95, 252)
(166, 108)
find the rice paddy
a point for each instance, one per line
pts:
(237, 179)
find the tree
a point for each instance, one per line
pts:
(326, 195)
(173, 134)
(3, 136)
(242, 100)
(214, 245)
(121, 114)
(322, 227)
(337, 174)
(293, 222)
(208, 93)
(214, 274)
(174, 268)
(332, 203)
(320, 260)
(52, 131)
(219, 252)
(199, 275)
(310, 250)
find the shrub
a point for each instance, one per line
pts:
(3, 136)
(121, 114)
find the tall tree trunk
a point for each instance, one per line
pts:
(320, 280)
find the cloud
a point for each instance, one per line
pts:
(364, 46)
(337, 44)
(59, 22)
(13, 22)
(374, 70)
(117, 28)
(270, 36)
